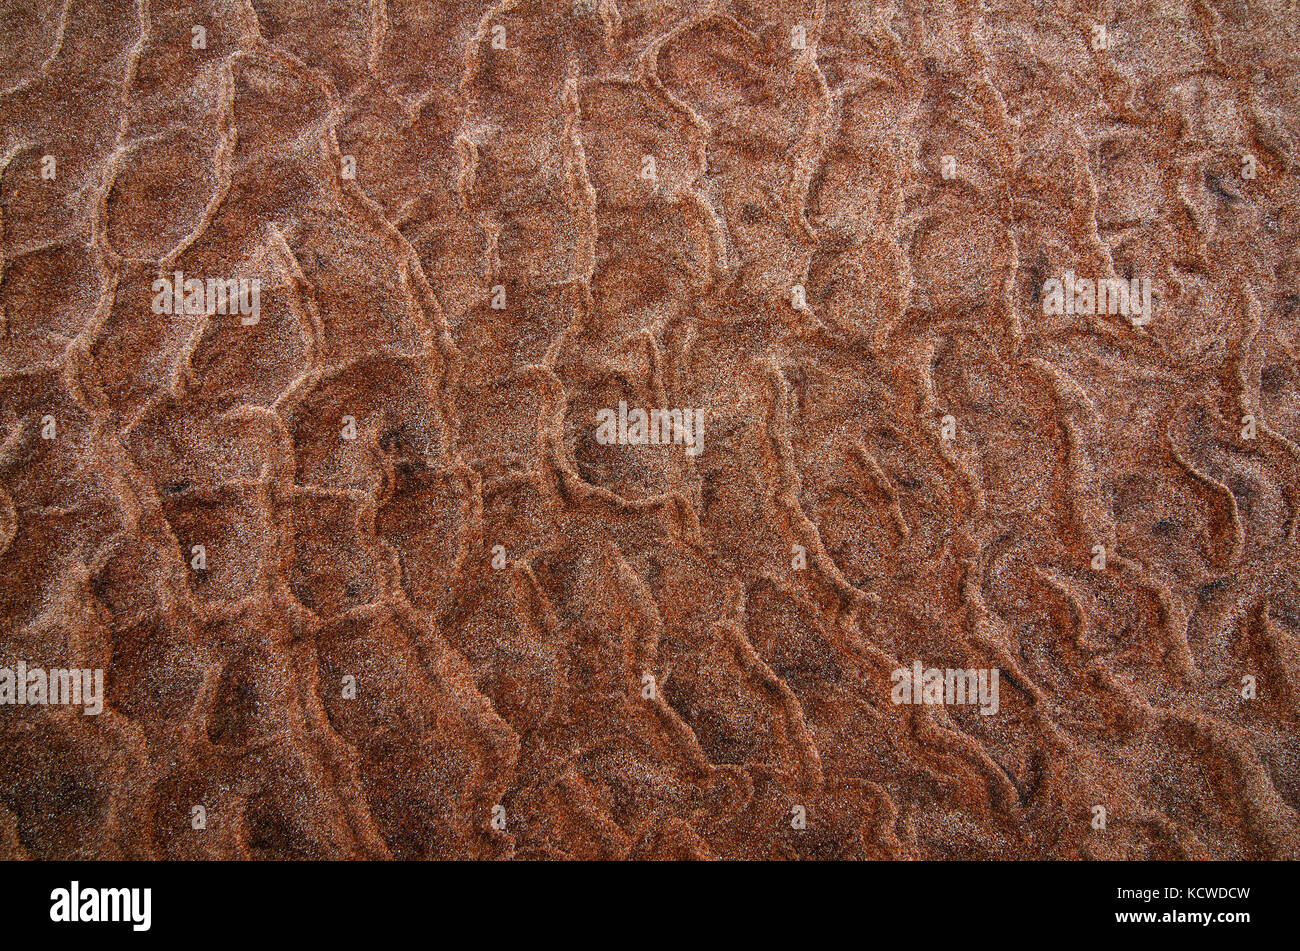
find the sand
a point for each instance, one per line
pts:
(378, 561)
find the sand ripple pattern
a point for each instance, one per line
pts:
(520, 167)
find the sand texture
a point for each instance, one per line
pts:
(365, 580)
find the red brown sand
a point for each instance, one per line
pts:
(524, 687)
